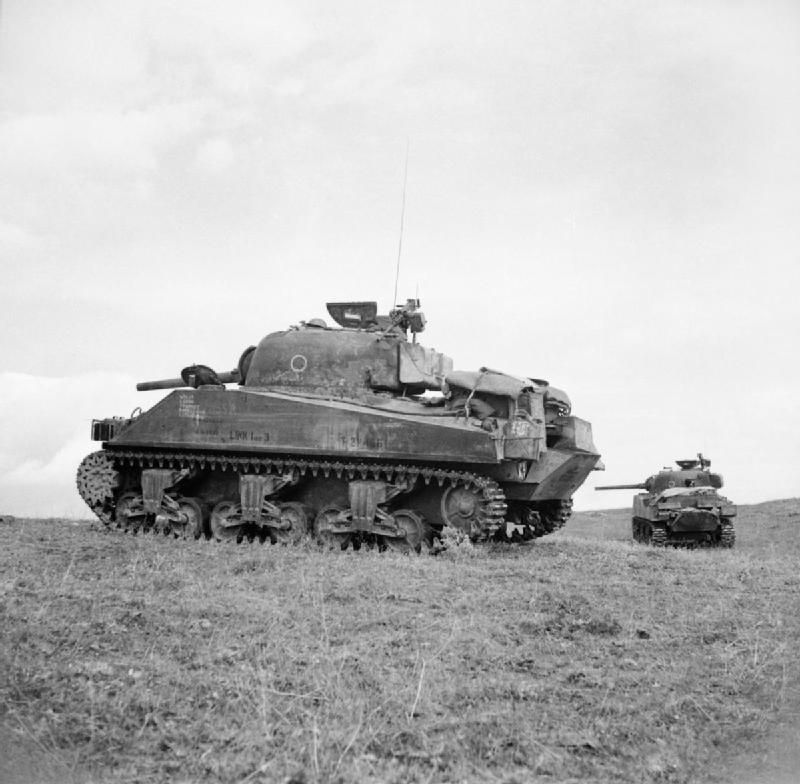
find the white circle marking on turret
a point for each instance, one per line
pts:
(299, 363)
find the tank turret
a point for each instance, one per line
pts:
(352, 434)
(682, 507)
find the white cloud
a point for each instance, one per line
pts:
(207, 30)
(101, 144)
(214, 155)
(607, 175)
(14, 236)
(50, 145)
(70, 55)
(45, 422)
(58, 468)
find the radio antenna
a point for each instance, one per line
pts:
(402, 220)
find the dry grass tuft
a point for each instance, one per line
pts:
(580, 657)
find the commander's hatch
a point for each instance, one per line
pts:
(354, 315)
(364, 315)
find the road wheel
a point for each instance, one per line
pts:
(295, 515)
(129, 512)
(413, 528)
(193, 511)
(325, 537)
(223, 522)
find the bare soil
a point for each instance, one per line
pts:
(581, 657)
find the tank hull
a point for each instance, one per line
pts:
(252, 421)
(702, 518)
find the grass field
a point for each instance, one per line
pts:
(581, 657)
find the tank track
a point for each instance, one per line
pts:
(97, 485)
(645, 532)
(557, 515)
(657, 536)
(728, 535)
(97, 480)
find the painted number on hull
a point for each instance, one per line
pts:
(249, 436)
(348, 439)
(351, 441)
(188, 409)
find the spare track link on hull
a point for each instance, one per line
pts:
(491, 517)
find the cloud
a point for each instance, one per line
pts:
(207, 29)
(48, 145)
(602, 179)
(214, 156)
(45, 423)
(56, 469)
(99, 93)
(98, 143)
(70, 55)
(14, 236)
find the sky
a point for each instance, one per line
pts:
(602, 194)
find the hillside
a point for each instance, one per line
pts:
(759, 527)
(582, 657)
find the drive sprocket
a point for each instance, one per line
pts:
(555, 514)
(477, 510)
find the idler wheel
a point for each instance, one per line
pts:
(413, 528)
(97, 478)
(295, 516)
(129, 513)
(223, 522)
(326, 538)
(460, 507)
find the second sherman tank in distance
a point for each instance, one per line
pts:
(682, 507)
(353, 434)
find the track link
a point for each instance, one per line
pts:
(657, 535)
(728, 536)
(98, 485)
(556, 516)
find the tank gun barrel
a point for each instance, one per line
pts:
(638, 486)
(193, 379)
(164, 383)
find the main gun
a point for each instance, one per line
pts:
(193, 376)
(639, 486)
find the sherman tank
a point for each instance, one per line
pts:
(352, 434)
(682, 507)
